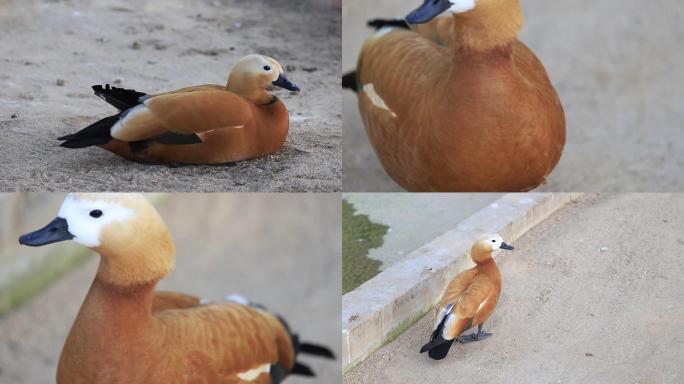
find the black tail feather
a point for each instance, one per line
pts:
(441, 351)
(120, 98)
(97, 133)
(381, 23)
(438, 347)
(302, 370)
(316, 350)
(349, 81)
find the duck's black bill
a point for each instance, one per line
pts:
(56, 231)
(283, 82)
(506, 246)
(428, 11)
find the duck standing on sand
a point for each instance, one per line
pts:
(127, 333)
(452, 101)
(205, 124)
(469, 299)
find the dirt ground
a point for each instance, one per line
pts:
(591, 295)
(52, 51)
(279, 250)
(616, 65)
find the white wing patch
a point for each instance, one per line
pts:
(253, 374)
(447, 325)
(482, 305)
(443, 313)
(383, 31)
(369, 89)
(142, 108)
(237, 298)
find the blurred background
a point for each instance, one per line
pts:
(282, 251)
(617, 67)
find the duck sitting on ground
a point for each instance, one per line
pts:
(205, 124)
(469, 299)
(452, 101)
(126, 333)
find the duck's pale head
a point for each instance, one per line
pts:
(486, 247)
(125, 229)
(254, 75)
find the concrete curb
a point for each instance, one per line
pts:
(385, 306)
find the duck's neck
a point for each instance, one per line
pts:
(254, 94)
(114, 307)
(488, 26)
(112, 325)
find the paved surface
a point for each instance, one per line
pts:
(615, 64)
(155, 47)
(409, 229)
(591, 295)
(282, 251)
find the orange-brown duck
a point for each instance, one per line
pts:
(205, 124)
(469, 299)
(453, 101)
(126, 333)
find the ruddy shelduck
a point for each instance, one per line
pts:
(125, 332)
(205, 124)
(453, 102)
(469, 299)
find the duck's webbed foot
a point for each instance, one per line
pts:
(477, 336)
(382, 23)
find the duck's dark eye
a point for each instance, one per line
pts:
(493, 241)
(267, 68)
(96, 213)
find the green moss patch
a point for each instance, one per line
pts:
(359, 236)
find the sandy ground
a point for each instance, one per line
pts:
(616, 65)
(570, 312)
(279, 250)
(160, 46)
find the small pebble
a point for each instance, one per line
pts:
(135, 45)
(60, 82)
(603, 249)
(14, 116)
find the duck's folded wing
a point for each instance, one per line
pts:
(199, 111)
(456, 287)
(185, 112)
(171, 300)
(242, 342)
(466, 306)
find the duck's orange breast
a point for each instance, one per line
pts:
(459, 121)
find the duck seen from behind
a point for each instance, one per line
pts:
(125, 332)
(469, 299)
(452, 101)
(205, 124)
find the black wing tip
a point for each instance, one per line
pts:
(349, 81)
(302, 370)
(381, 23)
(316, 350)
